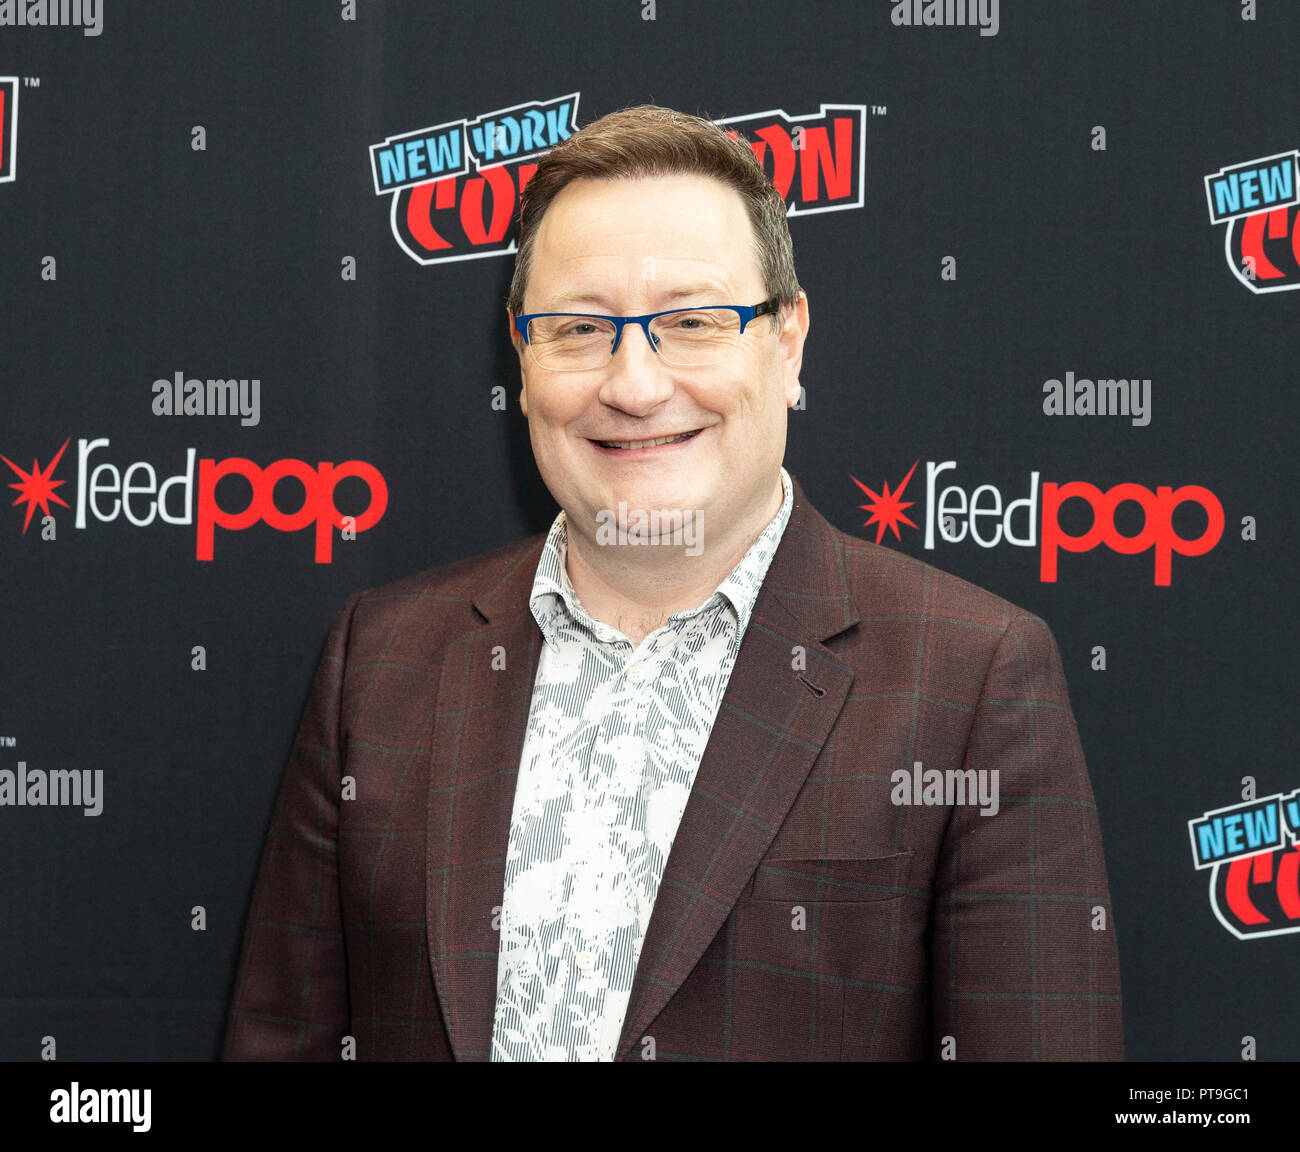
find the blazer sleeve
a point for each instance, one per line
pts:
(1024, 963)
(290, 999)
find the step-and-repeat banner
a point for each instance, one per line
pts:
(254, 358)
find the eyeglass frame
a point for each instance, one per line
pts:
(746, 312)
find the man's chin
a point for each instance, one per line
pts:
(667, 495)
(680, 500)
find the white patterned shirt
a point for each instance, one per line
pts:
(615, 737)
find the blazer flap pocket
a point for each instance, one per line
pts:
(809, 879)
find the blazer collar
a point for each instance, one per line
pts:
(807, 575)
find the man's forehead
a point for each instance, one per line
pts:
(669, 189)
(674, 236)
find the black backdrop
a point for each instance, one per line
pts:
(267, 254)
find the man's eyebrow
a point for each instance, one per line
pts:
(568, 300)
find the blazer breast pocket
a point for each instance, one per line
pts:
(813, 880)
(822, 944)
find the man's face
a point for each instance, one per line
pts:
(626, 248)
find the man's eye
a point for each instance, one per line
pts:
(579, 328)
(692, 321)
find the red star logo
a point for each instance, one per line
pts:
(886, 508)
(36, 487)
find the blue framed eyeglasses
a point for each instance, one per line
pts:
(683, 337)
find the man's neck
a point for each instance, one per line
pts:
(635, 589)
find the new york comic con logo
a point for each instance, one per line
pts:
(455, 187)
(8, 127)
(1260, 202)
(1253, 852)
(137, 494)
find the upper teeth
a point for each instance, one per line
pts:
(642, 443)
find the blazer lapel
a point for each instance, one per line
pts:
(771, 726)
(479, 727)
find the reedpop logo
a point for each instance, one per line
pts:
(136, 493)
(952, 512)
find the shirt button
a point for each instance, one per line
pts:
(585, 961)
(607, 816)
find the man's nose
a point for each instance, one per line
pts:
(636, 380)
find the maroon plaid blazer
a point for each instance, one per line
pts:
(802, 914)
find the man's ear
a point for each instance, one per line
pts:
(521, 351)
(513, 332)
(795, 322)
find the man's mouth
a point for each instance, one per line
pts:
(680, 438)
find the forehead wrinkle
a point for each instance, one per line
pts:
(564, 284)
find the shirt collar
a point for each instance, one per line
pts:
(553, 592)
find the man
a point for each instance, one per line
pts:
(643, 788)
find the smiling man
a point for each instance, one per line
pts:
(719, 783)
(715, 392)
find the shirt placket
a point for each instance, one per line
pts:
(616, 822)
